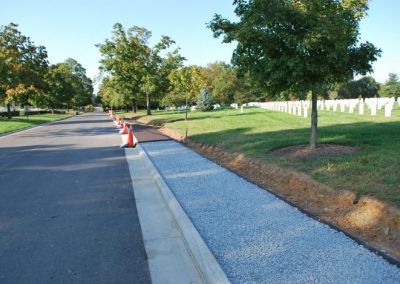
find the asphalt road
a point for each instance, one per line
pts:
(67, 209)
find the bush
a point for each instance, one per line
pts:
(204, 100)
(89, 108)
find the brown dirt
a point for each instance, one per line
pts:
(322, 150)
(365, 218)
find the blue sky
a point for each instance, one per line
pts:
(71, 28)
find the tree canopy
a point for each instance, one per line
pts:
(366, 87)
(135, 67)
(392, 86)
(298, 45)
(27, 79)
(23, 67)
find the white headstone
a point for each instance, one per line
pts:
(373, 110)
(361, 107)
(328, 105)
(388, 110)
(342, 106)
(299, 110)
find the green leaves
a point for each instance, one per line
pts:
(68, 85)
(26, 78)
(298, 44)
(135, 68)
(392, 86)
(23, 66)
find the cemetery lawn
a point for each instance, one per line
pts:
(374, 170)
(20, 122)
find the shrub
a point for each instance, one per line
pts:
(89, 108)
(204, 100)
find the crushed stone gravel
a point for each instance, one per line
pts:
(256, 237)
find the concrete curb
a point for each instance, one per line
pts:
(202, 258)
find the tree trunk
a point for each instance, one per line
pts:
(314, 121)
(186, 109)
(8, 111)
(134, 106)
(148, 104)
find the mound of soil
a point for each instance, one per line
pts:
(322, 150)
(367, 219)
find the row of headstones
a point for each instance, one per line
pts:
(373, 104)
(300, 108)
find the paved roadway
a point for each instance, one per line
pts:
(67, 209)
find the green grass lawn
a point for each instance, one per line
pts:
(17, 123)
(374, 171)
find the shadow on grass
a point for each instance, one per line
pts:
(374, 170)
(358, 134)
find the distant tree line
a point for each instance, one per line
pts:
(365, 87)
(27, 78)
(135, 73)
(284, 48)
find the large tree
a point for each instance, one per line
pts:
(23, 67)
(60, 89)
(185, 85)
(223, 82)
(298, 45)
(111, 95)
(366, 87)
(137, 67)
(82, 85)
(392, 86)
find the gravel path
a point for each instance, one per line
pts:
(255, 236)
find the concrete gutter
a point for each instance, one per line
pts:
(176, 251)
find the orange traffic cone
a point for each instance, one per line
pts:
(119, 123)
(131, 143)
(130, 138)
(124, 129)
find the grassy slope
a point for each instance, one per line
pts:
(374, 171)
(16, 123)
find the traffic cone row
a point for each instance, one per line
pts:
(128, 139)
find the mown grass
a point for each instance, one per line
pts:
(373, 171)
(21, 122)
